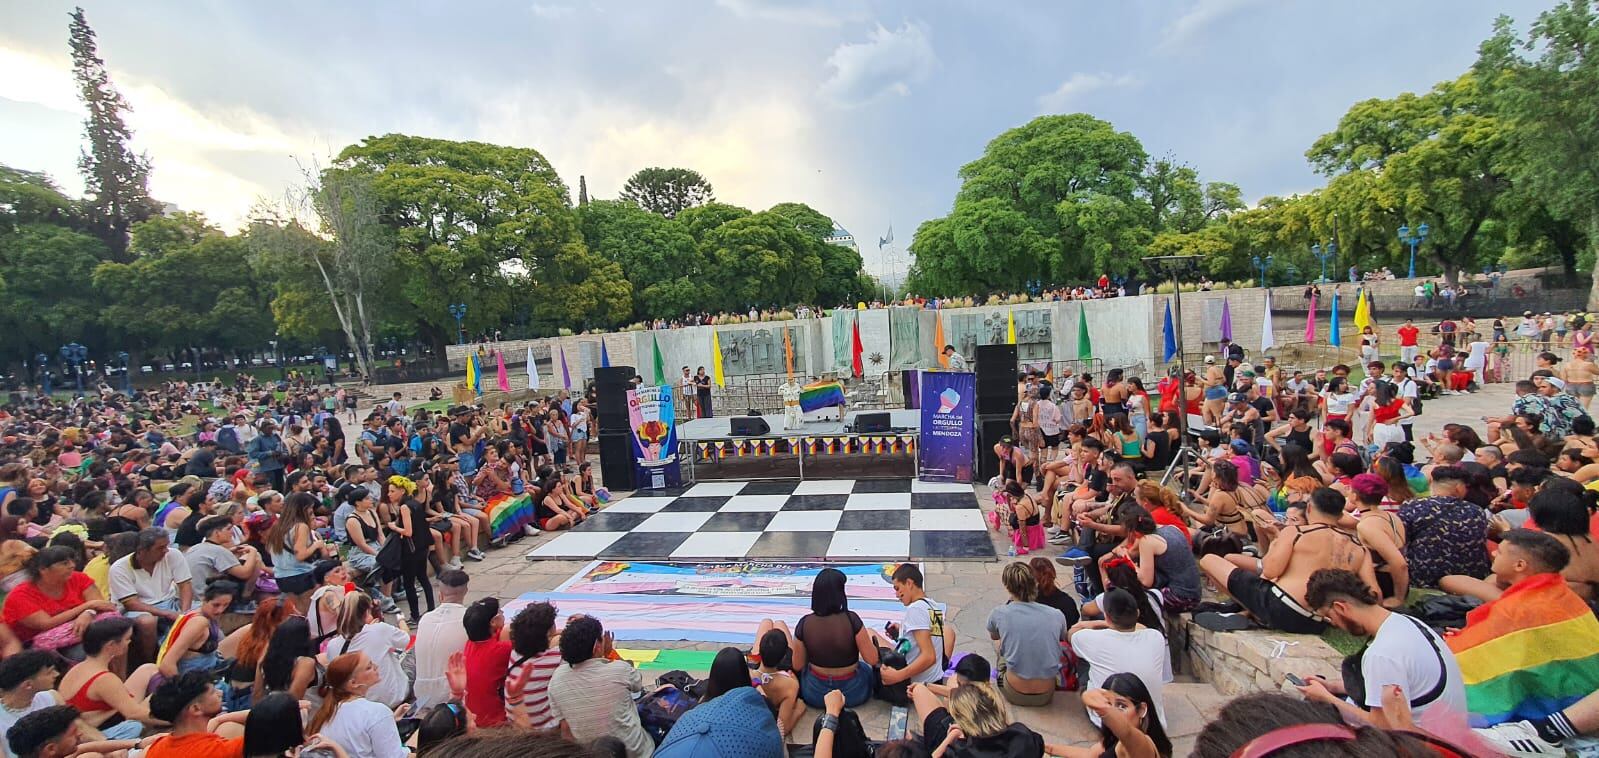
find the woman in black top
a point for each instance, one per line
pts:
(831, 648)
(336, 447)
(410, 526)
(702, 392)
(1049, 592)
(1158, 442)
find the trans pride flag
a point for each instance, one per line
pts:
(1528, 654)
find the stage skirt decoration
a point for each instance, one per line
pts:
(508, 514)
(814, 397)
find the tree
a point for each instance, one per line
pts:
(1542, 86)
(667, 191)
(843, 272)
(700, 220)
(115, 180)
(582, 191)
(761, 260)
(657, 255)
(580, 290)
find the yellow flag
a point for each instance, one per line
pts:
(471, 373)
(716, 360)
(1363, 311)
(1010, 331)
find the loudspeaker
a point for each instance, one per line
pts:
(910, 382)
(990, 430)
(611, 384)
(749, 426)
(996, 378)
(872, 423)
(616, 460)
(605, 375)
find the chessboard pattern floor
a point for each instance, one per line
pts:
(888, 519)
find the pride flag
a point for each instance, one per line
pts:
(1532, 652)
(508, 514)
(821, 395)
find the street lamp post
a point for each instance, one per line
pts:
(1324, 254)
(1176, 268)
(74, 354)
(458, 310)
(1261, 264)
(1405, 237)
(127, 376)
(41, 363)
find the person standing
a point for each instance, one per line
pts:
(956, 361)
(702, 392)
(1407, 341)
(686, 390)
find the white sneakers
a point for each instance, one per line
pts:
(1519, 738)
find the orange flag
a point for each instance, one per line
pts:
(788, 353)
(938, 339)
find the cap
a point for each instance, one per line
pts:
(1210, 359)
(1238, 397)
(1559, 383)
(727, 726)
(1241, 446)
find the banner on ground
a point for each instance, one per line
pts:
(949, 426)
(654, 423)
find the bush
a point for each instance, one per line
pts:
(563, 332)
(784, 316)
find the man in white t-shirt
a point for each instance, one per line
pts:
(1406, 389)
(439, 635)
(924, 624)
(1118, 644)
(1403, 652)
(152, 584)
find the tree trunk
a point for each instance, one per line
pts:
(1593, 241)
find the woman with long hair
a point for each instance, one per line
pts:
(247, 646)
(106, 702)
(1126, 441)
(338, 451)
(582, 428)
(274, 729)
(347, 717)
(1384, 534)
(1392, 473)
(1224, 501)
(410, 525)
(832, 649)
(288, 664)
(367, 532)
(977, 722)
(295, 546)
(1160, 440)
(1129, 723)
(1164, 506)
(1164, 559)
(1388, 408)
(1026, 533)
(363, 630)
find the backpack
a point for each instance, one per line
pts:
(893, 694)
(849, 739)
(659, 711)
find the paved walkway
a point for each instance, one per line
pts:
(972, 590)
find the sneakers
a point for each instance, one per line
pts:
(530, 530)
(475, 554)
(1063, 538)
(1052, 531)
(455, 563)
(1075, 557)
(1519, 738)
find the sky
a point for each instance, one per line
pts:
(864, 110)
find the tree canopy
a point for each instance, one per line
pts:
(667, 191)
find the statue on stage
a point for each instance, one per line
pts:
(793, 416)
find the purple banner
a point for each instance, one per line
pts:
(949, 426)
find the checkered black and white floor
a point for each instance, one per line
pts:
(891, 519)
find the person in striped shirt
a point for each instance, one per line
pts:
(535, 656)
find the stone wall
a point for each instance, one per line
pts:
(1238, 663)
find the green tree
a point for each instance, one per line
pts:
(761, 260)
(581, 290)
(667, 191)
(659, 257)
(843, 271)
(700, 220)
(1542, 86)
(46, 256)
(115, 180)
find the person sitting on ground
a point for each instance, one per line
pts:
(193, 706)
(733, 719)
(1129, 726)
(217, 557)
(1444, 534)
(777, 682)
(1562, 509)
(487, 656)
(1402, 652)
(1049, 593)
(440, 635)
(1275, 596)
(831, 648)
(362, 629)
(192, 643)
(347, 717)
(931, 642)
(976, 723)
(1119, 644)
(536, 656)
(107, 703)
(56, 732)
(1225, 500)
(27, 684)
(1384, 535)
(1164, 506)
(275, 727)
(56, 603)
(1529, 652)
(1164, 558)
(591, 695)
(1274, 724)
(1027, 636)
(152, 584)
(289, 664)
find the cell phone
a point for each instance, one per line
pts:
(1295, 680)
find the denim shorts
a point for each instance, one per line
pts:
(857, 688)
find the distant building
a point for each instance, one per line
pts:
(841, 237)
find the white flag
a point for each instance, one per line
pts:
(532, 370)
(1268, 338)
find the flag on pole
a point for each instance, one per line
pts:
(883, 242)
(1333, 337)
(1085, 348)
(501, 378)
(471, 372)
(532, 370)
(855, 349)
(938, 340)
(1170, 332)
(1310, 321)
(1362, 310)
(1226, 321)
(658, 363)
(716, 360)
(566, 375)
(1010, 327)
(605, 355)
(1268, 337)
(788, 353)
(477, 375)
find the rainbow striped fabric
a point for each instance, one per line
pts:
(1528, 654)
(508, 514)
(177, 629)
(814, 397)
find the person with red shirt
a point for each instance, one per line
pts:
(488, 659)
(1407, 341)
(56, 604)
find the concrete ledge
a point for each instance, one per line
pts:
(1258, 660)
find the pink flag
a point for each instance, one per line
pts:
(505, 380)
(1310, 320)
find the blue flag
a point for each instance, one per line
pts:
(605, 356)
(1333, 338)
(1171, 334)
(477, 375)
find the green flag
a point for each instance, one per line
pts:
(660, 365)
(1085, 348)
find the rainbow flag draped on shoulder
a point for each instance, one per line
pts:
(192, 617)
(508, 514)
(1528, 654)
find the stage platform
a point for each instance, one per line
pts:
(876, 519)
(720, 427)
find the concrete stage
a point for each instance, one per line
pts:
(720, 427)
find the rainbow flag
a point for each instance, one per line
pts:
(1528, 654)
(814, 397)
(177, 628)
(508, 514)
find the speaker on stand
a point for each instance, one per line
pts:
(615, 439)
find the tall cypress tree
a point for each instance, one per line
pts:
(116, 182)
(582, 190)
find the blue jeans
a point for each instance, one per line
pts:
(124, 730)
(857, 688)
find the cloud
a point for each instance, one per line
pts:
(888, 62)
(1201, 15)
(1079, 84)
(801, 12)
(550, 11)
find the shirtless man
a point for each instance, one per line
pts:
(1113, 396)
(1276, 596)
(1579, 374)
(1215, 391)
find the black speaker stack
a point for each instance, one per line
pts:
(996, 399)
(611, 384)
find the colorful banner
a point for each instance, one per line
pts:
(654, 423)
(949, 426)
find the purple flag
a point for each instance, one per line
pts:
(1226, 321)
(566, 376)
